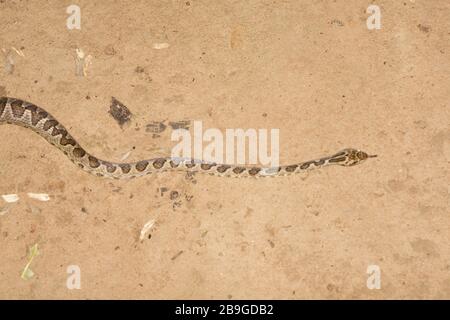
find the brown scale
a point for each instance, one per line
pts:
(305, 165)
(141, 165)
(336, 159)
(49, 124)
(17, 109)
(125, 167)
(207, 166)
(291, 168)
(56, 131)
(93, 162)
(158, 163)
(238, 170)
(67, 140)
(109, 166)
(254, 171)
(174, 164)
(79, 152)
(37, 116)
(31, 107)
(190, 164)
(223, 168)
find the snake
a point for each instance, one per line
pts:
(25, 114)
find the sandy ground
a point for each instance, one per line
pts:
(314, 71)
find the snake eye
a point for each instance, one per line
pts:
(361, 155)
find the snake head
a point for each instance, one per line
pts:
(351, 157)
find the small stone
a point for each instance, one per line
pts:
(109, 50)
(174, 195)
(139, 69)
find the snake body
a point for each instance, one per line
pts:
(28, 115)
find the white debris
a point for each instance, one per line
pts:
(146, 228)
(10, 198)
(82, 62)
(126, 155)
(160, 45)
(18, 51)
(4, 210)
(9, 58)
(39, 196)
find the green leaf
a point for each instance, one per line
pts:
(33, 251)
(27, 273)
